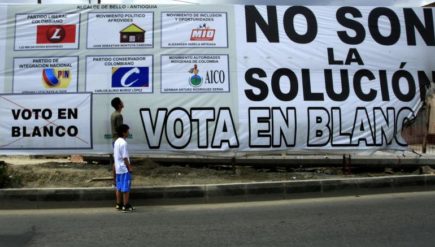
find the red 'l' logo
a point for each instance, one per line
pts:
(48, 34)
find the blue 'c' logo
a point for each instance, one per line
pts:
(130, 77)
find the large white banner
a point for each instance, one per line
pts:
(206, 79)
(60, 121)
(3, 21)
(320, 85)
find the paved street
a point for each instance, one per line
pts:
(406, 219)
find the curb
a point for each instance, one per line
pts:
(214, 193)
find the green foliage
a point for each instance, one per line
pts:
(6, 180)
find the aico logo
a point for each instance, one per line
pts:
(56, 77)
(202, 33)
(195, 80)
(47, 34)
(130, 77)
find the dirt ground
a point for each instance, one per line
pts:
(55, 172)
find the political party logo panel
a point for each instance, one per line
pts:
(45, 75)
(195, 73)
(56, 77)
(130, 77)
(194, 29)
(47, 31)
(48, 34)
(120, 30)
(202, 33)
(119, 74)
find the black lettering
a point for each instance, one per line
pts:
(16, 113)
(339, 137)
(384, 85)
(36, 132)
(259, 84)
(403, 116)
(269, 28)
(374, 16)
(384, 126)
(72, 131)
(406, 76)
(319, 132)
(225, 130)
(362, 130)
(284, 127)
(46, 114)
(293, 80)
(154, 134)
(426, 31)
(60, 131)
(25, 134)
(306, 84)
(73, 113)
(202, 116)
(353, 57)
(181, 139)
(61, 113)
(357, 84)
(360, 32)
(36, 112)
(259, 127)
(344, 94)
(26, 114)
(331, 59)
(48, 130)
(289, 26)
(16, 131)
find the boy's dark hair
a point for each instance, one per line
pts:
(116, 102)
(122, 129)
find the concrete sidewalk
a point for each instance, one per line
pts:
(214, 193)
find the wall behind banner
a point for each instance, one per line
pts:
(207, 79)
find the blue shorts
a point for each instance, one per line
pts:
(123, 182)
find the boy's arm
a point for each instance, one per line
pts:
(119, 121)
(129, 166)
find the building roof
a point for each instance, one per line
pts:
(133, 28)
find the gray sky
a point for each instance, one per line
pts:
(397, 3)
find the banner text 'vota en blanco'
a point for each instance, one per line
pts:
(60, 121)
(331, 77)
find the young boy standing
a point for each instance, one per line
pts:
(123, 170)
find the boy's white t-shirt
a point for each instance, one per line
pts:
(119, 153)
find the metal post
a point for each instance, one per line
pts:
(346, 165)
(427, 124)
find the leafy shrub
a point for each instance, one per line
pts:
(6, 180)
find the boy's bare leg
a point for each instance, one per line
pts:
(126, 197)
(118, 197)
